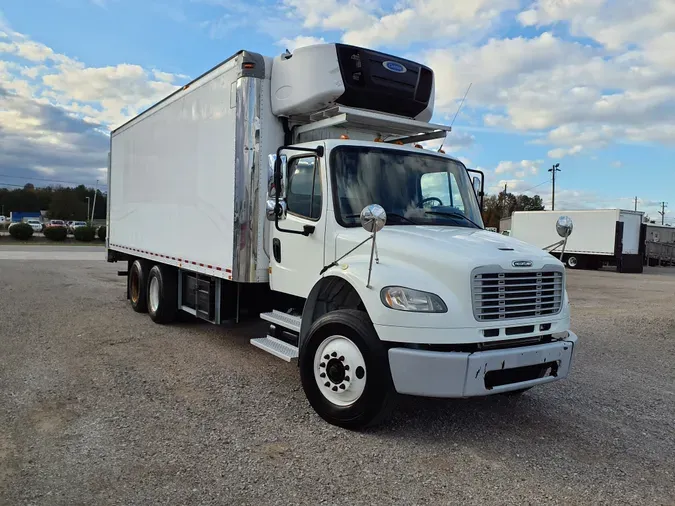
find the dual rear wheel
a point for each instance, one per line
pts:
(153, 289)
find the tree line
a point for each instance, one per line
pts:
(61, 203)
(66, 203)
(502, 205)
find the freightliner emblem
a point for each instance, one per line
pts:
(521, 263)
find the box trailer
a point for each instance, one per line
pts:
(294, 189)
(601, 236)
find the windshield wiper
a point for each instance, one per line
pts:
(393, 215)
(455, 215)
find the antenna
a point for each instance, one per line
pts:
(458, 109)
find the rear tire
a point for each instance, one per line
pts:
(162, 294)
(573, 262)
(137, 285)
(353, 387)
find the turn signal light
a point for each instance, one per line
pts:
(343, 136)
(400, 143)
(249, 65)
(419, 146)
(378, 139)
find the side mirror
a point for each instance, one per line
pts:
(476, 185)
(564, 226)
(272, 210)
(373, 218)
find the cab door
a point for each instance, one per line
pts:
(297, 249)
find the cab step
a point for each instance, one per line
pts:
(276, 347)
(283, 320)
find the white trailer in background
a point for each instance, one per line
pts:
(260, 189)
(601, 236)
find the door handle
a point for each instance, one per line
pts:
(276, 250)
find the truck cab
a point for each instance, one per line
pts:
(445, 308)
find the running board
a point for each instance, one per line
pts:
(278, 348)
(283, 320)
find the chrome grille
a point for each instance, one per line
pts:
(508, 295)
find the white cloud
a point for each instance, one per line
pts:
(563, 152)
(617, 164)
(300, 41)
(519, 169)
(55, 111)
(615, 24)
(367, 23)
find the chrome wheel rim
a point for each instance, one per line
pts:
(340, 370)
(154, 294)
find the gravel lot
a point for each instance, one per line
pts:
(98, 405)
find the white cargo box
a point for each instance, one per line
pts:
(185, 175)
(595, 230)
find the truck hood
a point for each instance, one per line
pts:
(451, 248)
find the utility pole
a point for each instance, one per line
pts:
(87, 207)
(662, 212)
(636, 203)
(553, 170)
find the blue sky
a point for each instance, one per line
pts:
(589, 84)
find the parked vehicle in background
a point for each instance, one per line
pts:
(601, 237)
(76, 224)
(300, 194)
(36, 225)
(56, 223)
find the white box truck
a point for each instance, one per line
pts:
(294, 189)
(601, 236)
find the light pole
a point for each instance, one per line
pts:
(87, 208)
(553, 170)
(93, 206)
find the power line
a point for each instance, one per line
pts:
(535, 186)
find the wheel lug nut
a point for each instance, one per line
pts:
(342, 359)
(346, 378)
(342, 386)
(322, 364)
(346, 368)
(334, 354)
(326, 384)
(334, 389)
(326, 357)
(322, 375)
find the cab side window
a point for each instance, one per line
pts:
(303, 197)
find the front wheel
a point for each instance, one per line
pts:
(345, 371)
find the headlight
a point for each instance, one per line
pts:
(407, 299)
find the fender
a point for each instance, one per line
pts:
(344, 286)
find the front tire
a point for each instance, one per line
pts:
(162, 294)
(573, 262)
(352, 388)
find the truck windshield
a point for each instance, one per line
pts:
(413, 188)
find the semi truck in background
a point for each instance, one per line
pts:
(297, 192)
(612, 237)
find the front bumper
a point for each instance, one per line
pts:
(455, 374)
